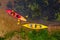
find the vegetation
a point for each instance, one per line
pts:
(56, 35)
(2, 38)
(9, 35)
(34, 35)
(37, 9)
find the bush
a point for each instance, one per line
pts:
(41, 35)
(56, 35)
(2, 38)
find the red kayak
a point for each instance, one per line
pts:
(15, 15)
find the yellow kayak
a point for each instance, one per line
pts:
(35, 26)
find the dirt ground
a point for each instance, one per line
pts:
(7, 23)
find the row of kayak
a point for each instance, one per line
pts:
(28, 25)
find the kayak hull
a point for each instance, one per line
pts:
(15, 15)
(35, 26)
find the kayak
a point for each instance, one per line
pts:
(15, 15)
(35, 26)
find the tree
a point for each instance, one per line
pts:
(39, 9)
(9, 5)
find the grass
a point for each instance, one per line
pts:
(34, 35)
(43, 35)
(9, 35)
(58, 19)
(56, 35)
(2, 38)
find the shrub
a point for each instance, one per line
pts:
(41, 35)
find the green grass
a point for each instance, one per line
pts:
(34, 35)
(58, 19)
(2, 38)
(43, 35)
(56, 35)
